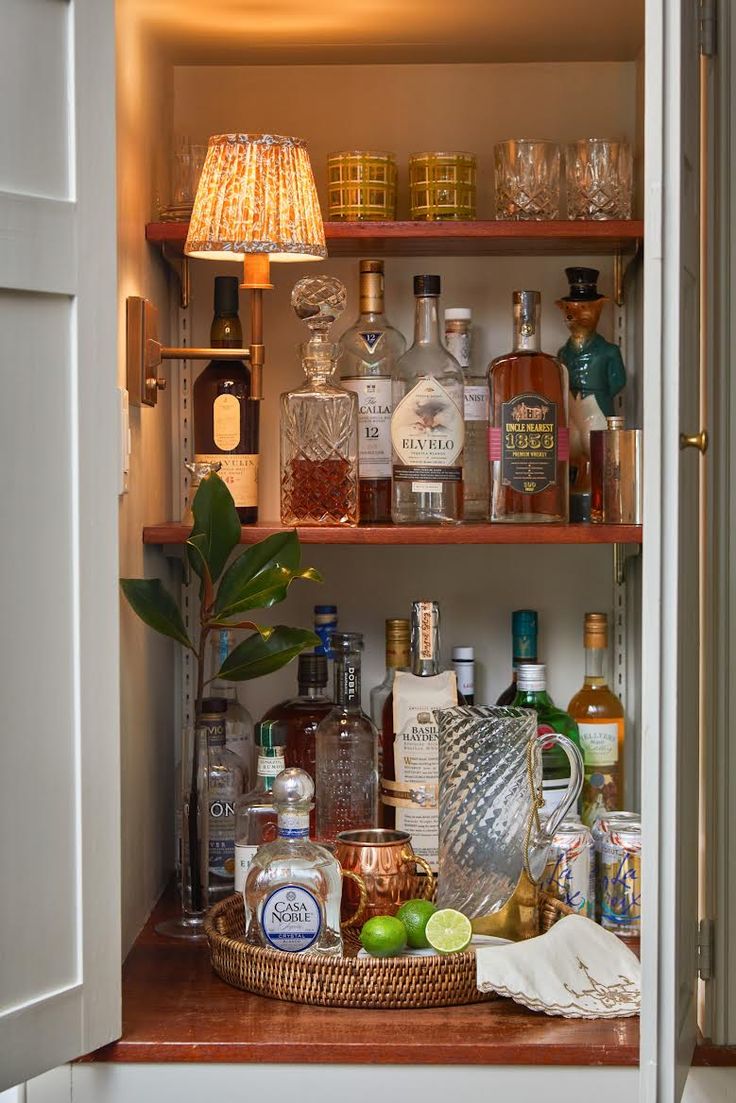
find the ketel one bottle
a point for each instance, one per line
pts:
(410, 783)
(224, 786)
(532, 694)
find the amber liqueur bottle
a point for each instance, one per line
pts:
(225, 416)
(529, 441)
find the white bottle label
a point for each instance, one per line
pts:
(239, 473)
(291, 918)
(226, 422)
(270, 766)
(477, 404)
(599, 743)
(244, 855)
(428, 431)
(374, 425)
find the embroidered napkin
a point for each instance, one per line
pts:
(577, 970)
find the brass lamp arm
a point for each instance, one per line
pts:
(185, 353)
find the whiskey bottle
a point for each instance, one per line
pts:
(224, 786)
(529, 441)
(532, 694)
(370, 349)
(397, 658)
(255, 811)
(600, 718)
(293, 888)
(319, 421)
(300, 716)
(524, 648)
(410, 780)
(347, 751)
(427, 426)
(225, 416)
(458, 338)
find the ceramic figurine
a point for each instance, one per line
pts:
(597, 374)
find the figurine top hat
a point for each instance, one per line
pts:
(583, 285)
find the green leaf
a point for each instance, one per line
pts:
(256, 656)
(156, 607)
(261, 576)
(216, 528)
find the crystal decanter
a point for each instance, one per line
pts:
(319, 421)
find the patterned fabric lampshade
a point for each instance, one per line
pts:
(256, 194)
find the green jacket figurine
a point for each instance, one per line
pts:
(597, 374)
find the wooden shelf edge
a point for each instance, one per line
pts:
(174, 532)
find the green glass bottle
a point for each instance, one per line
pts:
(532, 694)
(524, 636)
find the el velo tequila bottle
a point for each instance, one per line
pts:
(255, 811)
(427, 426)
(370, 349)
(410, 781)
(528, 438)
(293, 888)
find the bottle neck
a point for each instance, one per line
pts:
(398, 656)
(319, 359)
(527, 334)
(347, 680)
(534, 697)
(294, 822)
(226, 332)
(427, 321)
(371, 294)
(270, 764)
(313, 693)
(595, 666)
(425, 639)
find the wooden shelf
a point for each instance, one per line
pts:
(174, 532)
(479, 238)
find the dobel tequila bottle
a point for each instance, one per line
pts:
(370, 349)
(529, 441)
(319, 421)
(427, 426)
(293, 887)
(225, 416)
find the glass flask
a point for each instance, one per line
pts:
(319, 420)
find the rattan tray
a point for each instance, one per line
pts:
(347, 981)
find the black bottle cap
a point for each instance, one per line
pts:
(214, 704)
(312, 670)
(226, 295)
(426, 285)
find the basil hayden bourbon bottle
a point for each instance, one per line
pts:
(529, 440)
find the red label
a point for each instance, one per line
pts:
(545, 729)
(563, 444)
(495, 441)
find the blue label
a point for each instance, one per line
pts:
(291, 919)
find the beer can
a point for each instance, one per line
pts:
(570, 873)
(619, 876)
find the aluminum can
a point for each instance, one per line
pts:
(619, 875)
(601, 827)
(570, 871)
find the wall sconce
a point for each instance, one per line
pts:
(256, 202)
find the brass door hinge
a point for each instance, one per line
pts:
(706, 934)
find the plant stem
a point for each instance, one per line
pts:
(195, 879)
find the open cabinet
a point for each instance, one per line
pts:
(411, 77)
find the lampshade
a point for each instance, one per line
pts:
(256, 194)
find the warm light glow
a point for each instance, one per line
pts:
(256, 194)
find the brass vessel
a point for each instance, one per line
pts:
(388, 866)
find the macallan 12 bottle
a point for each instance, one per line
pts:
(529, 440)
(370, 349)
(225, 416)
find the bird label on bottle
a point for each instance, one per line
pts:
(526, 443)
(239, 473)
(226, 422)
(428, 432)
(374, 425)
(291, 918)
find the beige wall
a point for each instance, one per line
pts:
(147, 661)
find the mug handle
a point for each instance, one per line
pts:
(358, 914)
(428, 891)
(576, 778)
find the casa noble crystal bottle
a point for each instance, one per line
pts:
(529, 441)
(427, 424)
(225, 416)
(600, 718)
(370, 349)
(319, 420)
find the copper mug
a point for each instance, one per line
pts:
(388, 866)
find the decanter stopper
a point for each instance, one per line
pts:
(293, 786)
(318, 301)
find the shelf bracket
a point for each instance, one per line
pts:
(622, 553)
(621, 272)
(179, 265)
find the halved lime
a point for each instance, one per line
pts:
(448, 931)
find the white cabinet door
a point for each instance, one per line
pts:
(59, 805)
(670, 591)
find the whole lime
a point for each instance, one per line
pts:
(383, 936)
(414, 915)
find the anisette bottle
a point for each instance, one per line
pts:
(293, 888)
(370, 349)
(427, 425)
(459, 341)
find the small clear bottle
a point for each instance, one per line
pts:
(238, 721)
(476, 473)
(427, 426)
(293, 889)
(319, 421)
(347, 750)
(255, 812)
(224, 786)
(398, 657)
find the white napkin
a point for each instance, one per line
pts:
(577, 970)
